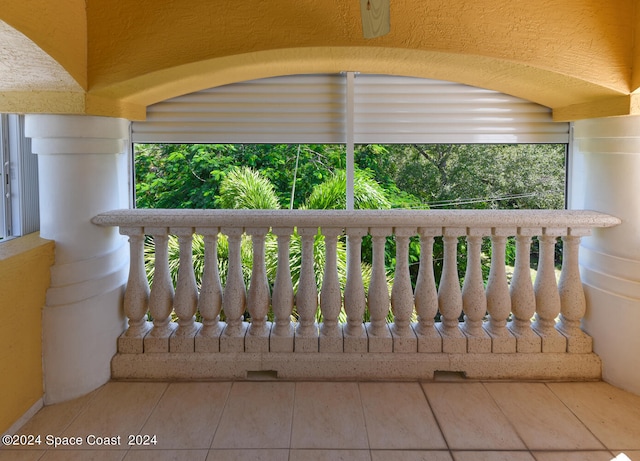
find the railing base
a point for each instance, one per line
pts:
(355, 366)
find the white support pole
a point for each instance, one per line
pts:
(350, 140)
(608, 150)
(82, 172)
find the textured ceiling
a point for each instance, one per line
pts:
(25, 67)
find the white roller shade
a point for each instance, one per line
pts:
(312, 109)
(414, 110)
(292, 109)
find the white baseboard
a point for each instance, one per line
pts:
(25, 417)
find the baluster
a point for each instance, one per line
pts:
(474, 301)
(498, 299)
(355, 336)
(306, 335)
(380, 339)
(450, 295)
(136, 295)
(523, 298)
(210, 300)
(426, 295)
(186, 298)
(282, 332)
(258, 296)
(547, 295)
(234, 296)
(404, 339)
(330, 339)
(572, 300)
(161, 296)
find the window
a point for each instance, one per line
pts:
(350, 110)
(477, 176)
(19, 209)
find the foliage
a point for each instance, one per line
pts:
(525, 176)
(245, 188)
(332, 193)
(190, 175)
(313, 177)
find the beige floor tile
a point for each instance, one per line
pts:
(248, 455)
(612, 414)
(328, 415)
(492, 456)
(186, 416)
(119, 409)
(398, 416)
(573, 455)
(330, 455)
(83, 455)
(540, 418)
(7, 454)
(469, 418)
(408, 455)
(166, 455)
(257, 415)
(53, 419)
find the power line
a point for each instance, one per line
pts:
(467, 201)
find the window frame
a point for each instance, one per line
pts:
(19, 210)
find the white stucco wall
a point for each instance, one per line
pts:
(606, 178)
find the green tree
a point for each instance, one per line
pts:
(332, 193)
(483, 176)
(245, 188)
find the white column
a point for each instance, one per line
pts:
(82, 172)
(609, 151)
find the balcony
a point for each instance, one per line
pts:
(510, 330)
(273, 421)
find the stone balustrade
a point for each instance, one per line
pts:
(508, 328)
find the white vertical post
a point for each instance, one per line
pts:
(426, 295)
(404, 339)
(306, 335)
(330, 295)
(186, 298)
(450, 295)
(162, 294)
(258, 296)
(355, 337)
(573, 304)
(350, 139)
(547, 295)
(474, 300)
(282, 298)
(378, 297)
(234, 295)
(210, 300)
(81, 174)
(523, 298)
(498, 298)
(609, 153)
(136, 295)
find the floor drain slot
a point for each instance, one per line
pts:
(449, 375)
(262, 375)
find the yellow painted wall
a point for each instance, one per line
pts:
(24, 279)
(576, 56)
(556, 53)
(58, 27)
(587, 38)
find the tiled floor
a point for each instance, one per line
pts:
(452, 421)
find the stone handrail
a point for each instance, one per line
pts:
(502, 317)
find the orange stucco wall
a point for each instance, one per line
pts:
(576, 56)
(59, 28)
(24, 279)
